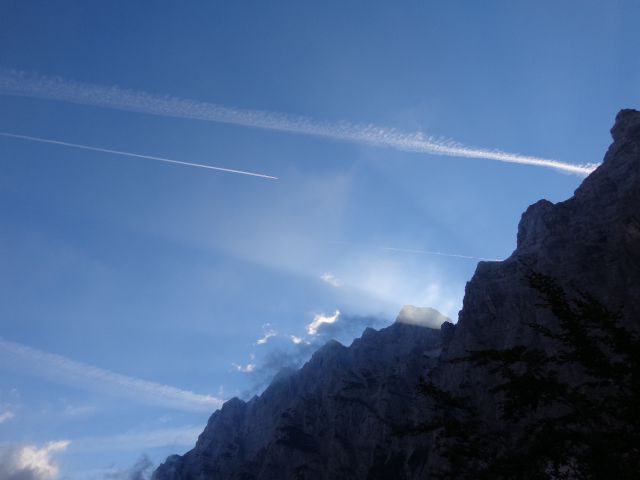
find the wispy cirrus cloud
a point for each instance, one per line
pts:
(331, 279)
(139, 440)
(6, 416)
(80, 375)
(79, 410)
(55, 88)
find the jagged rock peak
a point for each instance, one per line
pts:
(332, 419)
(627, 125)
(588, 243)
(604, 196)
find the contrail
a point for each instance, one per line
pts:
(129, 154)
(19, 84)
(422, 252)
(51, 366)
(442, 254)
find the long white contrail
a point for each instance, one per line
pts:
(20, 84)
(433, 252)
(129, 154)
(421, 252)
(51, 366)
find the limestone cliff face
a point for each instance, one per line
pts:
(589, 243)
(334, 418)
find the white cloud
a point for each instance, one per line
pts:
(80, 375)
(6, 416)
(29, 462)
(297, 340)
(19, 84)
(268, 333)
(330, 278)
(421, 316)
(319, 320)
(248, 368)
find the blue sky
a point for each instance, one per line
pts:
(171, 274)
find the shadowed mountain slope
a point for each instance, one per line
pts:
(334, 418)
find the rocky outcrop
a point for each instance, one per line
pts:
(589, 243)
(336, 417)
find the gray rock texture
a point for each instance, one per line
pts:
(336, 417)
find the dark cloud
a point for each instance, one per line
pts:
(280, 358)
(141, 470)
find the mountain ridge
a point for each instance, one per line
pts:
(240, 437)
(356, 397)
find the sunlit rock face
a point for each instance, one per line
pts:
(336, 418)
(421, 316)
(333, 419)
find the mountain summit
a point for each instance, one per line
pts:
(344, 415)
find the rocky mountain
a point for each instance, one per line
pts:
(339, 416)
(590, 242)
(589, 245)
(332, 419)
